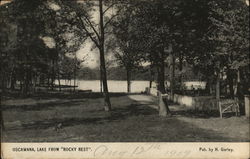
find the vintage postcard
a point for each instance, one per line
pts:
(124, 79)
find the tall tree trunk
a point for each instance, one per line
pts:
(238, 90)
(161, 77)
(151, 72)
(74, 80)
(30, 84)
(101, 89)
(2, 82)
(218, 87)
(26, 82)
(1, 112)
(230, 83)
(161, 72)
(180, 62)
(10, 79)
(75, 73)
(53, 75)
(209, 85)
(163, 105)
(172, 72)
(2, 91)
(21, 85)
(107, 104)
(13, 81)
(58, 75)
(180, 69)
(59, 82)
(48, 81)
(218, 83)
(128, 79)
(26, 70)
(150, 83)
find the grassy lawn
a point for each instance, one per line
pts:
(80, 118)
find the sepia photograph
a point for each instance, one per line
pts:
(124, 71)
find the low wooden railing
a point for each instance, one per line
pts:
(228, 106)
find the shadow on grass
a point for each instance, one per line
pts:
(60, 95)
(117, 114)
(72, 100)
(42, 106)
(91, 115)
(150, 128)
(196, 113)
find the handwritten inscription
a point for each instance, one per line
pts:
(105, 150)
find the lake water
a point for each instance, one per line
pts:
(113, 85)
(121, 86)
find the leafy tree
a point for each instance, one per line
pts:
(148, 31)
(166, 32)
(230, 37)
(96, 31)
(25, 45)
(68, 36)
(29, 57)
(124, 44)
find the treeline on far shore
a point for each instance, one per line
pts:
(113, 73)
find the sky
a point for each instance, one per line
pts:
(4, 1)
(90, 55)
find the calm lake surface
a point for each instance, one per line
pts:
(121, 86)
(113, 85)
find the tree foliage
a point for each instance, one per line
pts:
(34, 43)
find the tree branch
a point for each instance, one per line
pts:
(119, 57)
(108, 32)
(91, 25)
(88, 33)
(108, 8)
(105, 25)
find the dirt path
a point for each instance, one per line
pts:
(152, 102)
(145, 100)
(232, 127)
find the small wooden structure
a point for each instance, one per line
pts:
(228, 106)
